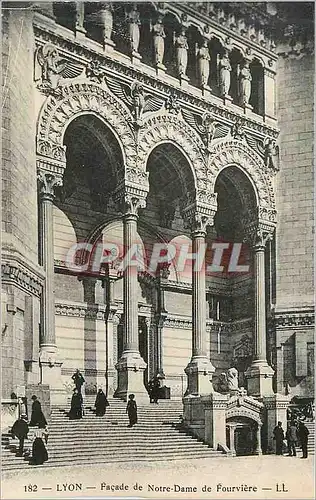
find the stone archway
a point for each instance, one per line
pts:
(79, 99)
(236, 153)
(168, 128)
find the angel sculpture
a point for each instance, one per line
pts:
(135, 98)
(271, 158)
(206, 126)
(53, 67)
(267, 149)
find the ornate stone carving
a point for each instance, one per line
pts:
(271, 159)
(244, 83)
(169, 128)
(293, 319)
(159, 35)
(203, 63)
(206, 126)
(133, 23)
(130, 74)
(76, 99)
(197, 218)
(236, 153)
(129, 200)
(53, 68)
(172, 104)
(16, 273)
(181, 46)
(48, 182)
(238, 129)
(95, 72)
(135, 97)
(224, 70)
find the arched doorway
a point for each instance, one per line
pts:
(243, 436)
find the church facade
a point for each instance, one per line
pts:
(185, 130)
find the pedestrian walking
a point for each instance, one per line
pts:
(78, 380)
(291, 437)
(131, 410)
(101, 404)
(39, 452)
(76, 406)
(20, 429)
(303, 433)
(37, 416)
(278, 436)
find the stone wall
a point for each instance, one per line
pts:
(294, 238)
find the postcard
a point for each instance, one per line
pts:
(157, 250)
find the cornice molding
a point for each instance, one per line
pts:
(14, 272)
(294, 319)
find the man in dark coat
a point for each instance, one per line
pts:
(278, 435)
(78, 380)
(291, 437)
(101, 403)
(20, 430)
(303, 437)
(37, 417)
(131, 410)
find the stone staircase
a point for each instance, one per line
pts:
(157, 436)
(311, 437)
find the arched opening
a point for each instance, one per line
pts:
(232, 302)
(242, 435)
(94, 162)
(257, 87)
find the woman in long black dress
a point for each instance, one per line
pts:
(39, 452)
(131, 410)
(101, 403)
(37, 417)
(76, 406)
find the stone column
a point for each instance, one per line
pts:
(200, 368)
(269, 76)
(131, 366)
(79, 19)
(258, 450)
(49, 362)
(260, 374)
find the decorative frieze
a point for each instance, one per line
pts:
(96, 312)
(128, 74)
(293, 319)
(18, 274)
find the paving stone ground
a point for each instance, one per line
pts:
(269, 477)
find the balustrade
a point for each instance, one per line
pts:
(195, 54)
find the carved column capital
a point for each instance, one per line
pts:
(130, 200)
(198, 218)
(47, 184)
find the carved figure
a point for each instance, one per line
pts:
(135, 98)
(271, 158)
(106, 21)
(172, 104)
(159, 35)
(137, 93)
(133, 22)
(244, 82)
(224, 73)
(209, 125)
(181, 45)
(53, 67)
(232, 379)
(203, 63)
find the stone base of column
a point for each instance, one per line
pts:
(130, 370)
(276, 411)
(259, 377)
(199, 372)
(50, 370)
